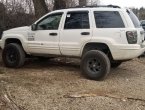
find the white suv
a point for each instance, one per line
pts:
(102, 36)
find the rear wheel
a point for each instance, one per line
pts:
(95, 65)
(13, 55)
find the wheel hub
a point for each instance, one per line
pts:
(94, 65)
(11, 56)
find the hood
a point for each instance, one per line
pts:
(25, 28)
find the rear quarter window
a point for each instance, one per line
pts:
(108, 19)
(134, 19)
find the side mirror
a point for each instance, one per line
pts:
(33, 27)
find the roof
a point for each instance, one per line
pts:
(85, 8)
(97, 7)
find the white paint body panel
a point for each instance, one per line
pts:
(44, 43)
(71, 42)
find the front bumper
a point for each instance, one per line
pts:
(126, 52)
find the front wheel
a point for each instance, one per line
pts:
(95, 65)
(13, 55)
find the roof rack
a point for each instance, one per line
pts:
(94, 6)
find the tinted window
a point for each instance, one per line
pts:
(77, 20)
(50, 22)
(134, 19)
(108, 19)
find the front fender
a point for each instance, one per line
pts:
(13, 36)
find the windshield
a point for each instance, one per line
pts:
(134, 19)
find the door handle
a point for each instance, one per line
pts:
(53, 34)
(85, 33)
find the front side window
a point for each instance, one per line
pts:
(77, 20)
(50, 22)
(108, 19)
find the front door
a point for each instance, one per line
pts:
(46, 36)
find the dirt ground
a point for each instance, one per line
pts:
(58, 85)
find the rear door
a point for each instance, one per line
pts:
(76, 30)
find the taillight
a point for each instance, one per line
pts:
(131, 37)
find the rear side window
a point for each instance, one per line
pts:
(134, 19)
(108, 19)
(77, 20)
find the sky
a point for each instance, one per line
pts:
(125, 3)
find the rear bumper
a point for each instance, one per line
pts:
(126, 52)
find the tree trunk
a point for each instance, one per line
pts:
(82, 2)
(59, 4)
(40, 8)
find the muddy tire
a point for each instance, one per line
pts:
(13, 55)
(95, 65)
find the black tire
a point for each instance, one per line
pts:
(13, 55)
(95, 65)
(115, 64)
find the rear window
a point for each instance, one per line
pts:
(134, 19)
(108, 19)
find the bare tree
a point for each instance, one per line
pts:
(88, 2)
(71, 3)
(14, 14)
(93, 2)
(40, 7)
(2, 14)
(82, 2)
(59, 4)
